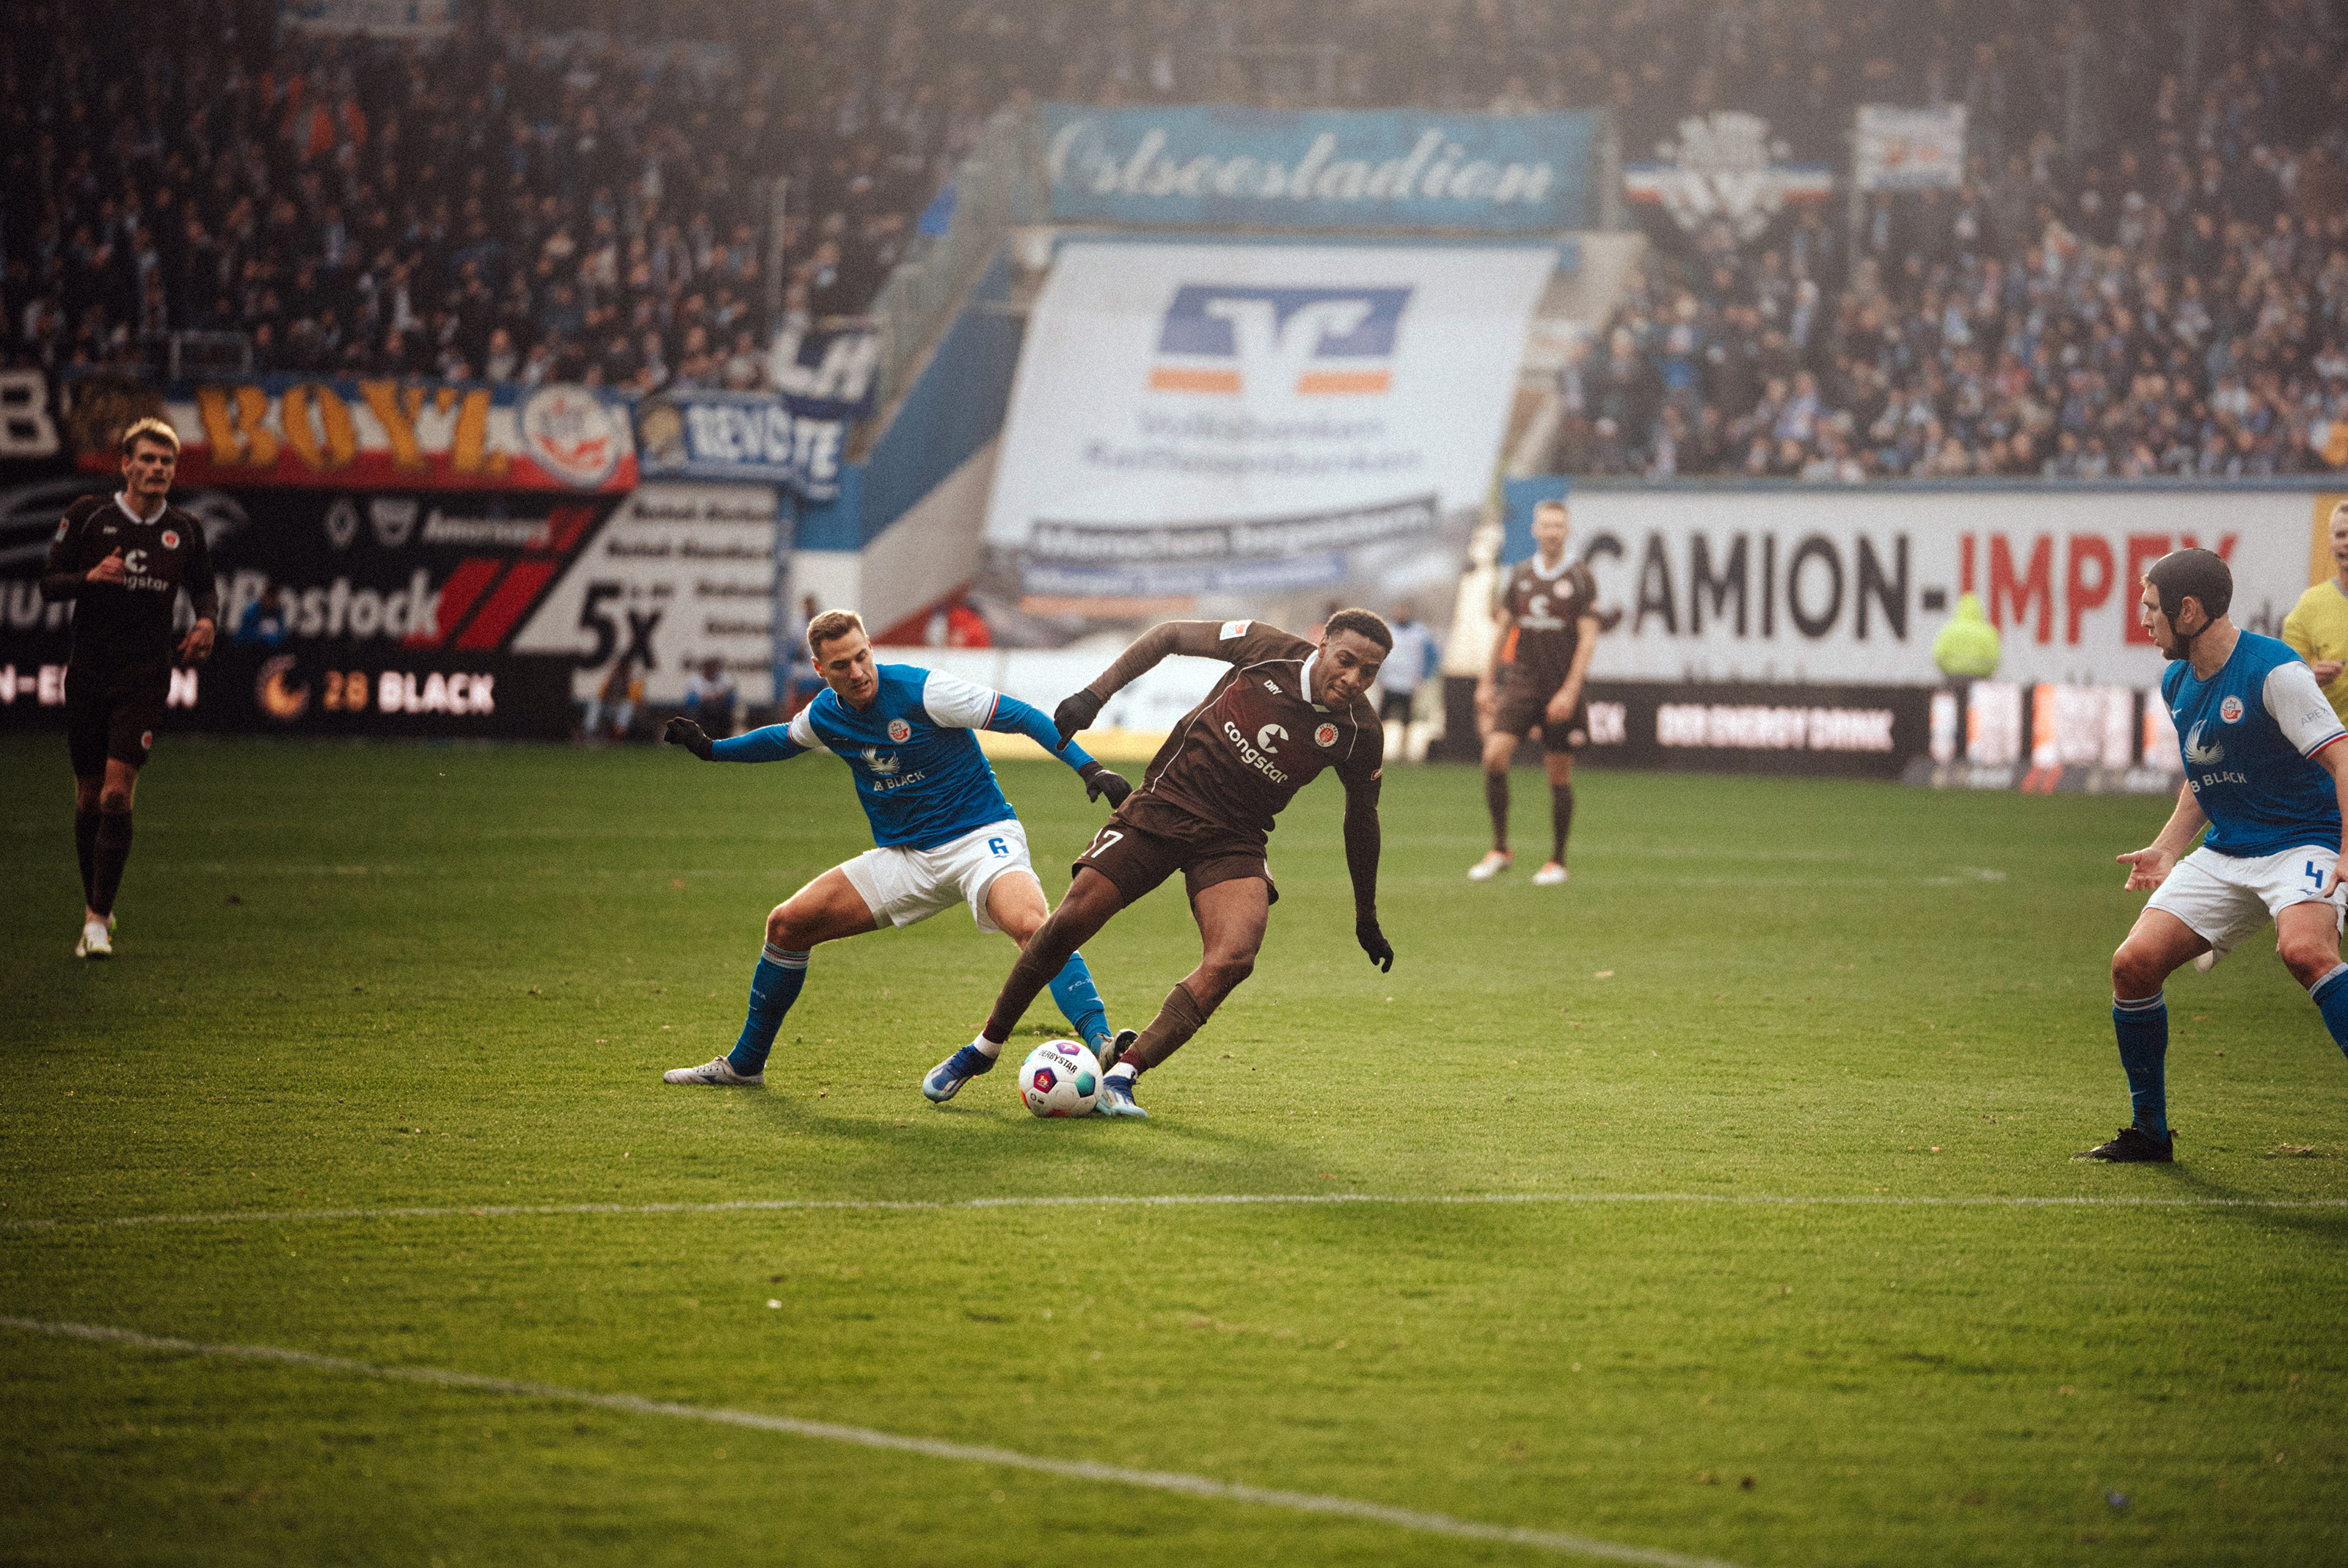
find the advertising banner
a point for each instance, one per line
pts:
(378, 613)
(1320, 169)
(681, 575)
(1909, 148)
(1867, 731)
(1206, 421)
(794, 437)
(1851, 584)
(788, 441)
(369, 434)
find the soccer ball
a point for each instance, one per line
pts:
(1060, 1077)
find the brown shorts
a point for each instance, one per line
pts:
(1521, 706)
(1151, 839)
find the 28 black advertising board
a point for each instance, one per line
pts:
(340, 612)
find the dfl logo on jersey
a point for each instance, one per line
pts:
(1227, 339)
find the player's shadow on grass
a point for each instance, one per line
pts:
(1165, 1153)
(2184, 1181)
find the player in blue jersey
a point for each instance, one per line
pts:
(2265, 772)
(941, 832)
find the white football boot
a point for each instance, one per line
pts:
(718, 1072)
(1490, 866)
(1553, 875)
(97, 940)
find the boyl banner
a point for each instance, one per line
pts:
(1850, 585)
(1208, 420)
(370, 434)
(1322, 168)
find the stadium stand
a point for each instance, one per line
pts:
(2146, 271)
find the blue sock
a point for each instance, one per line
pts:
(2143, 1028)
(1079, 1002)
(2330, 994)
(774, 986)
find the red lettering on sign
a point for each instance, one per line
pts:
(2035, 586)
(2079, 594)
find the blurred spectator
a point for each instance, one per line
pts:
(711, 697)
(263, 624)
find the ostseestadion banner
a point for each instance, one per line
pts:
(1320, 169)
(1210, 420)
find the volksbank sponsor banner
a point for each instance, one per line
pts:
(1320, 169)
(369, 433)
(1852, 585)
(1227, 420)
(681, 575)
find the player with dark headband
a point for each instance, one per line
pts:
(2266, 774)
(123, 560)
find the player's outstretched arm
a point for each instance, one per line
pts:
(2149, 867)
(1204, 639)
(1012, 716)
(772, 744)
(1362, 847)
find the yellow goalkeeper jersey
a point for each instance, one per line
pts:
(2317, 628)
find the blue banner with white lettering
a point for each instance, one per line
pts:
(753, 436)
(795, 435)
(1322, 168)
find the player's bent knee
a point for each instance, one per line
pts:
(2308, 958)
(117, 801)
(2135, 975)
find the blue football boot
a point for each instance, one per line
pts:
(1117, 1098)
(946, 1078)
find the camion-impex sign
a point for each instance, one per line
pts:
(1850, 585)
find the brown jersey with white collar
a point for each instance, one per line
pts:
(122, 632)
(1238, 758)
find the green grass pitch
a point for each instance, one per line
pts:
(373, 978)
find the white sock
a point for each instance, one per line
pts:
(1125, 1072)
(987, 1047)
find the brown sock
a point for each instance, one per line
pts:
(1177, 1021)
(1495, 801)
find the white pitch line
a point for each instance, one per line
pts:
(1172, 1199)
(1198, 1486)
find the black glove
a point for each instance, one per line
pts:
(1373, 942)
(1099, 781)
(685, 733)
(1075, 713)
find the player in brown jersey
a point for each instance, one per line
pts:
(1548, 614)
(123, 559)
(1284, 713)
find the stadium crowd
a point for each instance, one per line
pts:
(2145, 270)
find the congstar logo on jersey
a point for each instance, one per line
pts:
(1227, 339)
(1254, 756)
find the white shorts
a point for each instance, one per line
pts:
(906, 886)
(2225, 898)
